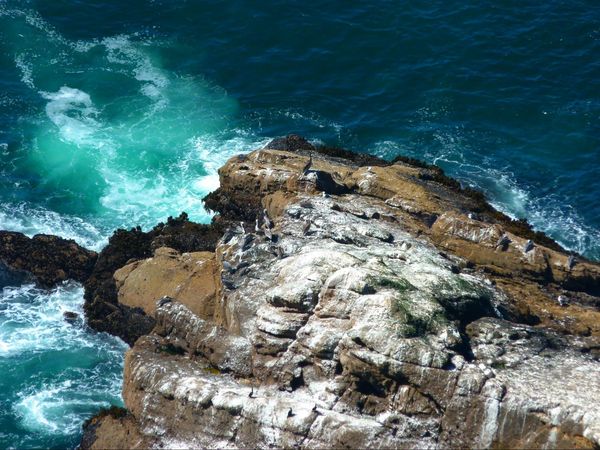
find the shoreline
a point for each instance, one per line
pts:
(417, 219)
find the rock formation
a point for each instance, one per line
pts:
(102, 308)
(379, 311)
(47, 260)
(378, 304)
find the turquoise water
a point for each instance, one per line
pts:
(53, 373)
(119, 113)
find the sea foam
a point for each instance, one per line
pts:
(75, 371)
(73, 112)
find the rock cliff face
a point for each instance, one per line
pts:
(378, 305)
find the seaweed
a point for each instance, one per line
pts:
(415, 325)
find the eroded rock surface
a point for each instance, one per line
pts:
(383, 316)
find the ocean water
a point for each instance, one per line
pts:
(119, 114)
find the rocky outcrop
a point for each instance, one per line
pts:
(114, 428)
(102, 308)
(47, 260)
(379, 304)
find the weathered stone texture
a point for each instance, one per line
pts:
(383, 316)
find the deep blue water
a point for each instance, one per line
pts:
(118, 113)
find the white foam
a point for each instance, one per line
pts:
(32, 319)
(32, 324)
(123, 52)
(146, 198)
(73, 112)
(26, 70)
(548, 213)
(207, 183)
(31, 220)
(313, 119)
(32, 410)
(55, 408)
(214, 153)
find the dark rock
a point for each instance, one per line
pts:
(10, 277)
(49, 259)
(102, 310)
(70, 316)
(241, 206)
(294, 143)
(290, 143)
(185, 236)
(361, 159)
(324, 182)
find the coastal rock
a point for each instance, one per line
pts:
(189, 278)
(384, 316)
(113, 428)
(47, 260)
(102, 308)
(290, 143)
(70, 316)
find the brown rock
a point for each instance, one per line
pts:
(413, 331)
(102, 309)
(113, 429)
(188, 278)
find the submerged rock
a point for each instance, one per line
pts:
(70, 316)
(393, 321)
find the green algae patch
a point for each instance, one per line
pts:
(417, 326)
(396, 283)
(171, 349)
(212, 370)
(418, 318)
(464, 300)
(446, 290)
